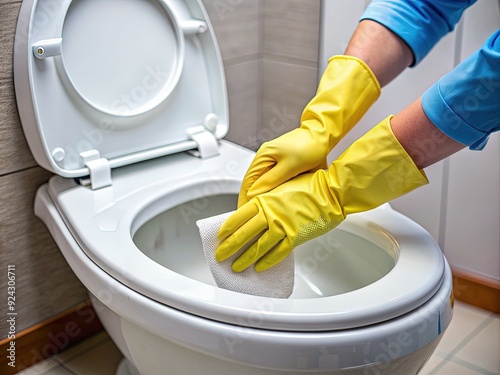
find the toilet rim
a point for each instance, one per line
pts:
(420, 327)
(417, 275)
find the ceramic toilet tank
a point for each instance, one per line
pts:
(125, 102)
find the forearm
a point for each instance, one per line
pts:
(403, 32)
(421, 139)
(420, 23)
(366, 43)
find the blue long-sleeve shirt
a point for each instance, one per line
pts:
(465, 103)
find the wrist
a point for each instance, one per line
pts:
(365, 45)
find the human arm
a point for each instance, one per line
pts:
(419, 23)
(423, 141)
(305, 149)
(346, 91)
(460, 110)
(465, 103)
(352, 78)
(463, 107)
(365, 45)
(372, 171)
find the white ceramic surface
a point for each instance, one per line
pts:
(124, 76)
(375, 290)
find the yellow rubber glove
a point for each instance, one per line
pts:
(346, 91)
(373, 170)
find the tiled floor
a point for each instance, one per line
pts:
(470, 346)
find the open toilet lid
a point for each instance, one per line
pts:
(117, 80)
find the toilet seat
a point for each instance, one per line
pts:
(99, 89)
(108, 230)
(131, 181)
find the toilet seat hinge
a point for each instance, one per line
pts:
(99, 169)
(206, 141)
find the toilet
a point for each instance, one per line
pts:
(129, 109)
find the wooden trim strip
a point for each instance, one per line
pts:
(49, 337)
(476, 290)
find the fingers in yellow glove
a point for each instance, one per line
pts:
(241, 227)
(282, 219)
(244, 226)
(272, 243)
(279, 160)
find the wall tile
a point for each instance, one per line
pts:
(45, 285)
(244, 103)
(8, 20)
(472, 237)
(291, 28)
(2, 2)
(236, 24)
(14, 151)
(339, 20)
(287, 89)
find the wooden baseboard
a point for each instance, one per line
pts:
(476, 290)
(48, 338)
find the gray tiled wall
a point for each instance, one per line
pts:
(237, 25)
(290, 60)
(270, 51)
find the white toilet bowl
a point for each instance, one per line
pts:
(373, 296)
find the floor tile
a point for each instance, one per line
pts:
(451, 368)
(465, 320)
(431, 365)
(484, 348)
(40, 368)
(58, 371)
(101, 360)
(82, 347)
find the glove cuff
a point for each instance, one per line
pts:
(346, 91)
(363, 69)
(373, 170)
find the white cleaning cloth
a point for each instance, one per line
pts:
(276, 282)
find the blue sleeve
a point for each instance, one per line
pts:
(465, 103)
(420, 23)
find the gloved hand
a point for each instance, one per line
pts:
(373, 170)
(346, 91)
